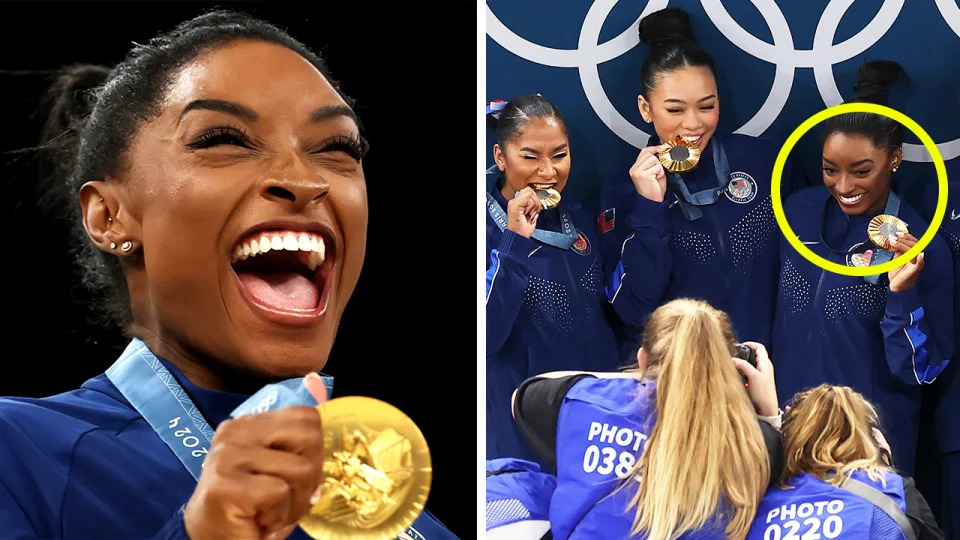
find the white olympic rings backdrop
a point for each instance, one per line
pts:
(765, 86)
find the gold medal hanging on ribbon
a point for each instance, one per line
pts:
(882, 227)
(549, 197)
(376, 472)
(682, 155)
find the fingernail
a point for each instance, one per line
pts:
(312, 377)
(315, 498)
(892, 239)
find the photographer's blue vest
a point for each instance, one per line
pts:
(812, 508)
(601, 432)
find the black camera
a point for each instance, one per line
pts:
(744, 352)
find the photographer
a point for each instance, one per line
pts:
(670, 449)
(838, 479)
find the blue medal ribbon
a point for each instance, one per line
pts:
(154, 392)
(892, 208)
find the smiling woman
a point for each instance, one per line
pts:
(883, 335)
(544, 303)
(216, 177)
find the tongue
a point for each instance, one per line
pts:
(286, 290)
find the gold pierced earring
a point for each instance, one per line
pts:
(126, 246)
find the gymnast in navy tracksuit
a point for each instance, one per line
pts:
(884, 336)
(676, 447)
(177, 197)
(544, 292)
(709, 233)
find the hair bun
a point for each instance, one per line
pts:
(66, 99)
(874, 79)
(66, 104)
(665, 26)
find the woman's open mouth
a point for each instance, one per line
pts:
(285, 275)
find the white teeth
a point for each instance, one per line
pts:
(851, 200)
(310, 244)
(290, 242)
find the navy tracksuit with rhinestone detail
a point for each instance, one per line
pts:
(728, 257)
(546, 311)
(838, 329)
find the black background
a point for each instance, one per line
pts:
(407, 336)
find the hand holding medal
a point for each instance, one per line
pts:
(903, 277)
(261, 477)
(523, 211)
(648, 175)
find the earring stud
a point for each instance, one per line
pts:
(113, 245)
(126, 246)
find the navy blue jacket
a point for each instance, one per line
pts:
(728, 257)
(85, 464)
(546, 311)
(946, 389)
(838, 329)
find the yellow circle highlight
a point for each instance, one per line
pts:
(843, 269)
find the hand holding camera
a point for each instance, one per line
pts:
(754, 364)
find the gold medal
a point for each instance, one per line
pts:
(882, 227)
(376, 472)
(549, 197)
(681, 156)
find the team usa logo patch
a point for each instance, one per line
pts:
(742, 188)
(857, 256)
(605, 221)
(411, 534)
(582, 245)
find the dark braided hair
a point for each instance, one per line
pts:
(94, 113)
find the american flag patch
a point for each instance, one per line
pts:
(605, 221)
